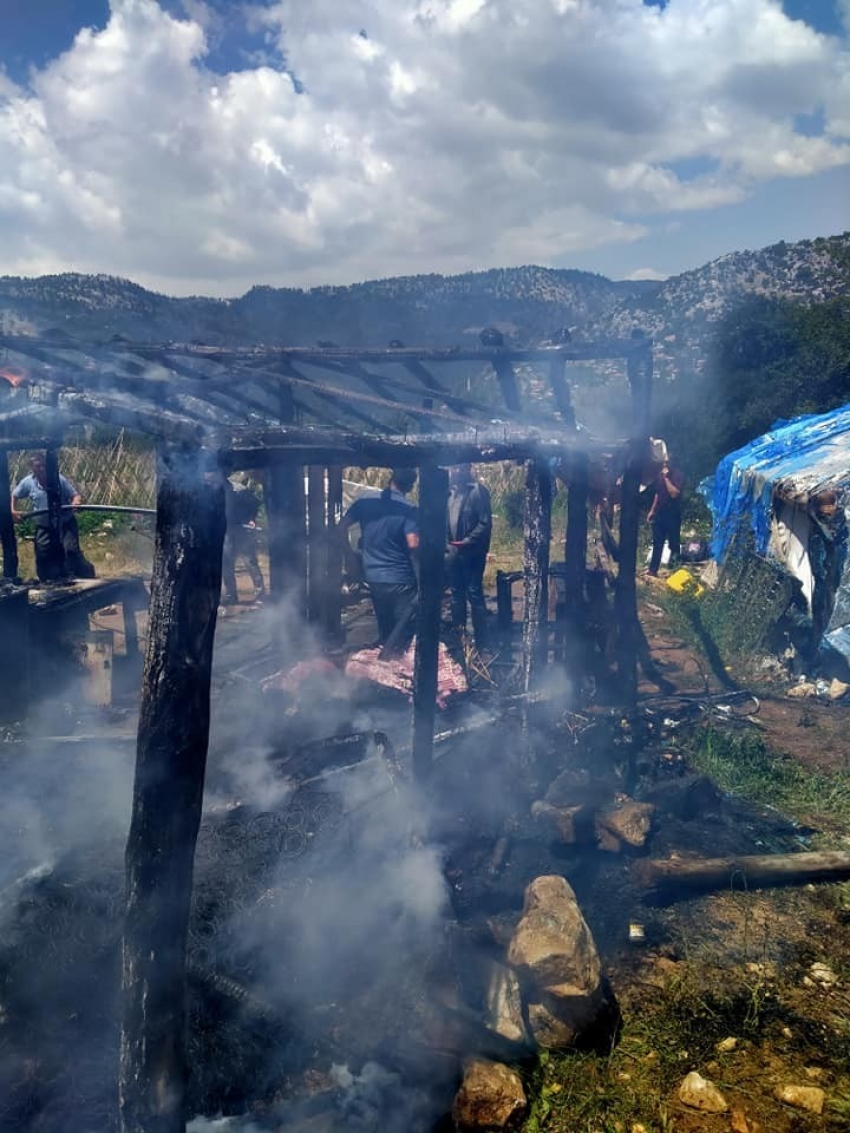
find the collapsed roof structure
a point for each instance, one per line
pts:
(218, 409)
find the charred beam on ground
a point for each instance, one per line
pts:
(173, 736)
(680, 878)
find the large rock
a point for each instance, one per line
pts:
(628, 822)
(552, 948)
(490, 1097)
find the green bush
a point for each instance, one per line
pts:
(511, 506)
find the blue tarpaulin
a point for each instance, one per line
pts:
(794, 461)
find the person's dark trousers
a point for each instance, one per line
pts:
(49, 557)
(10, 554)
(466, 579)
(395, 609)
(247, 548)
(76, 562)
(240, 543)
(230, 594)
(666, 527)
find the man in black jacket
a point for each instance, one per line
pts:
(241, 506)
(470, 525)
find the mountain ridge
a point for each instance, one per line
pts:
(528, 304)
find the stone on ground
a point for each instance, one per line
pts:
(491, 1096)
(810, 1098)
(504, 1004)
(628, 821)
(699, 1093)
(552, 947)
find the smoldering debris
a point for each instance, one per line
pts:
(323, 906)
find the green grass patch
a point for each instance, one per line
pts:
(665, 1034)
(743, 764)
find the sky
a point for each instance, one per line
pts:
(204, 146)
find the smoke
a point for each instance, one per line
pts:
(318, 930)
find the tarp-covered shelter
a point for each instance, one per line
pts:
(784, 495)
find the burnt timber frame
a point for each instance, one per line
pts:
(229, 408)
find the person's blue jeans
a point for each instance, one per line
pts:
(666, 528)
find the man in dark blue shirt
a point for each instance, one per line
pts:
(389, 542)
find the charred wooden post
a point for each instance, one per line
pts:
(7, 524)
(332, 615)
(507, 383)
(575, 541)
(558, 382)
(433, 496)
(284, 496)
(54, 510)
(171, 758)
(317, 542)
(537, 529)
(628, 628)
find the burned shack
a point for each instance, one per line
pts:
(296, 413)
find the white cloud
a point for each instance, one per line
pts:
(646, 273)
(430, 135)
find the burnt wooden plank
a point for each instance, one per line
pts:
(173, 736)
(433, 497)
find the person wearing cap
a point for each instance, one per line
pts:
(389, 544)
(665, 515)
(469, 529)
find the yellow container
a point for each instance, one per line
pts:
(683, 582)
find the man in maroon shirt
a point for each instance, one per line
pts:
(665, 515)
